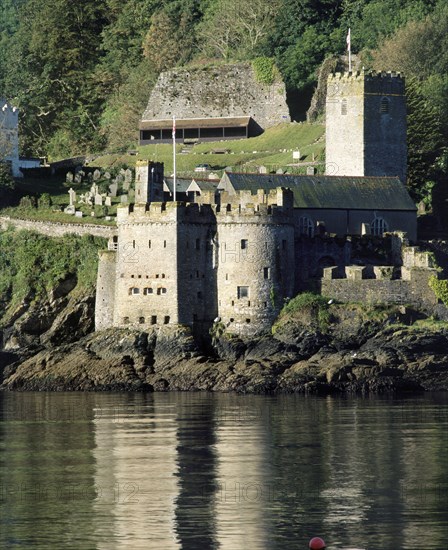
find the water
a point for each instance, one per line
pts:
(201, 471)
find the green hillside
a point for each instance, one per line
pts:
(272, 149)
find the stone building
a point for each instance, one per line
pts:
(9, 136)
(212, 103)
(236, 250)
(366, 125)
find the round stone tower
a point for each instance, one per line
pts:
(255, 264)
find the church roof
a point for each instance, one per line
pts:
(329, 192)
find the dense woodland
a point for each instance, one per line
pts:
(81, 71)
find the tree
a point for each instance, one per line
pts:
(425, 142)
(168, 42)
(231, 28)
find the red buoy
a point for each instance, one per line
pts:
(317, 543)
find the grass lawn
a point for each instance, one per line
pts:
(272, 149)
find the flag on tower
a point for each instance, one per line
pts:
(348, 40)
(174, 127)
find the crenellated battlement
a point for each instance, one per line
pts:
(364, 75)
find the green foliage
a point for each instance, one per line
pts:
(32, 264)
(440, 288)
(308, 303)
(6, 179)
(265, 70)
(44, 201)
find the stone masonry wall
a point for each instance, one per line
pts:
(54, 229)
(366, 125)
(220, 91)
(105, 290)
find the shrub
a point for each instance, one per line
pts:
(440, 288)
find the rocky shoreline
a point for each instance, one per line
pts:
(52, 347)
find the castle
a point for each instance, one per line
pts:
(238, 253)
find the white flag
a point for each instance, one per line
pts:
(349, 45)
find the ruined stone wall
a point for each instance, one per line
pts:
(220, 91)
(105, 290)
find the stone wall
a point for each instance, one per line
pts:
(56, 229)
(105, 290)
(366, 125)
(220, 91)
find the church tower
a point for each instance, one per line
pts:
(148, 181)
(366, 125)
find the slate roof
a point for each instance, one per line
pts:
(330, 192)
(167, 124)
(182, 184)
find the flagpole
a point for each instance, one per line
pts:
(349, 47)
(174, 158)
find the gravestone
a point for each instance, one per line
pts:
(107, 175)
(107, 201)
(113, 188)
(98, 200)
(70, 209)
(69, 177)
(262, 170)
(310, 171)
(78, 178)
(78, 214)
(128, 176)
(96, 175)
(296, 155)
(124, 199)
(72, 196)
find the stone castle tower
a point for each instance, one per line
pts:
(177, 263)
(148, 181)
(366, 125)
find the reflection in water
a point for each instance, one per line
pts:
(201, 471)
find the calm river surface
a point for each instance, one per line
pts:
(202, 471)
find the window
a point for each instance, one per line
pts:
(384, 106)
(232, 319)
(164, 244)
(198, 244)
(154, 320)
(134, 290)
(306, 226)
(199, 295)
(244, 244)
(243, 292)
(147, 291)
(266, 272)
(284, 244)
(139, 276)
(379, 226)
(163, 290)
(166, 320)
(149, 244)
(344, 107)
(157, 276)
(163, 275)
(133, 244)
(247, 320)
(141, 320)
